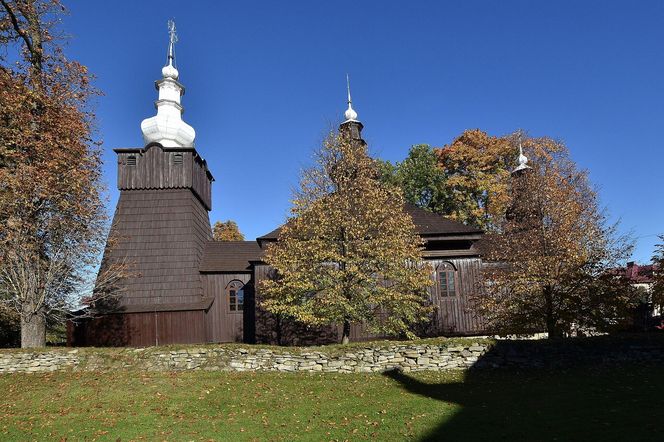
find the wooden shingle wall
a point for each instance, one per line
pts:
(161, 234)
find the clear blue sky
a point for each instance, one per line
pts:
(266, 79)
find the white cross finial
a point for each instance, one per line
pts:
(172, 39)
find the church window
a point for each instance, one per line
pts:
(235, 292)
(447, 282)
(131, 160)
(177, 158)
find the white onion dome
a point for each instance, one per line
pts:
(167, 127)
(169, 71)
(350, 113)
(523, 161)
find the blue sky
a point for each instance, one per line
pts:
(265, 80)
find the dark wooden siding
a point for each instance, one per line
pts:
(222, 324)
(361, 332)
(455, 315)
(140, 329)
(156, 168)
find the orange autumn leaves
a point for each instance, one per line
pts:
(52, 217)
(554, 254)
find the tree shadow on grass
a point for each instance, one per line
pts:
(591, 402)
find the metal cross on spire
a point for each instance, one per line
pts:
(172, 39)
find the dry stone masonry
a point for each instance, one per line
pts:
(379, 357)
(11, 362)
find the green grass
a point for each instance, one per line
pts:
(624, 403)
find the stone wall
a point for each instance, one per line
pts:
(375, 357)
(38, 361)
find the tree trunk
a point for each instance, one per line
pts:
(345, 338)
(277, 326)
(33, 331)
(551, 328)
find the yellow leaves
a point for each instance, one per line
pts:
(227, 231)
(330, 253)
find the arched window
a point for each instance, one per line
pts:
(235, 291)
(447, 282)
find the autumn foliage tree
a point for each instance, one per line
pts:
(467, 180)
(52, 220)
(349, 253)
(550, 260)
(226, 231)
(476, 168)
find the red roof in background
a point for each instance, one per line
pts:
(637, 273)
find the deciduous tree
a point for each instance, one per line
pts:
(227, 231)
(53, 221)
(477, 168)
(420, 177)
(551, 259)
(349, 253)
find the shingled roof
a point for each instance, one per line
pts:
(427, 224)
(229, 256)
(432, 224)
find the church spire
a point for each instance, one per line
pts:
(522, 159)
(351, 126)
(167, 127)
(350, 113)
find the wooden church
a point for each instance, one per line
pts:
(187, 288)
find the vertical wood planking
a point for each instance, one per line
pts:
(155, 169)
(455, 314)
(222, 324)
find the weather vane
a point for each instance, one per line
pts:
(173, 38)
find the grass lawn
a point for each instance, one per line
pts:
(583, 404)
